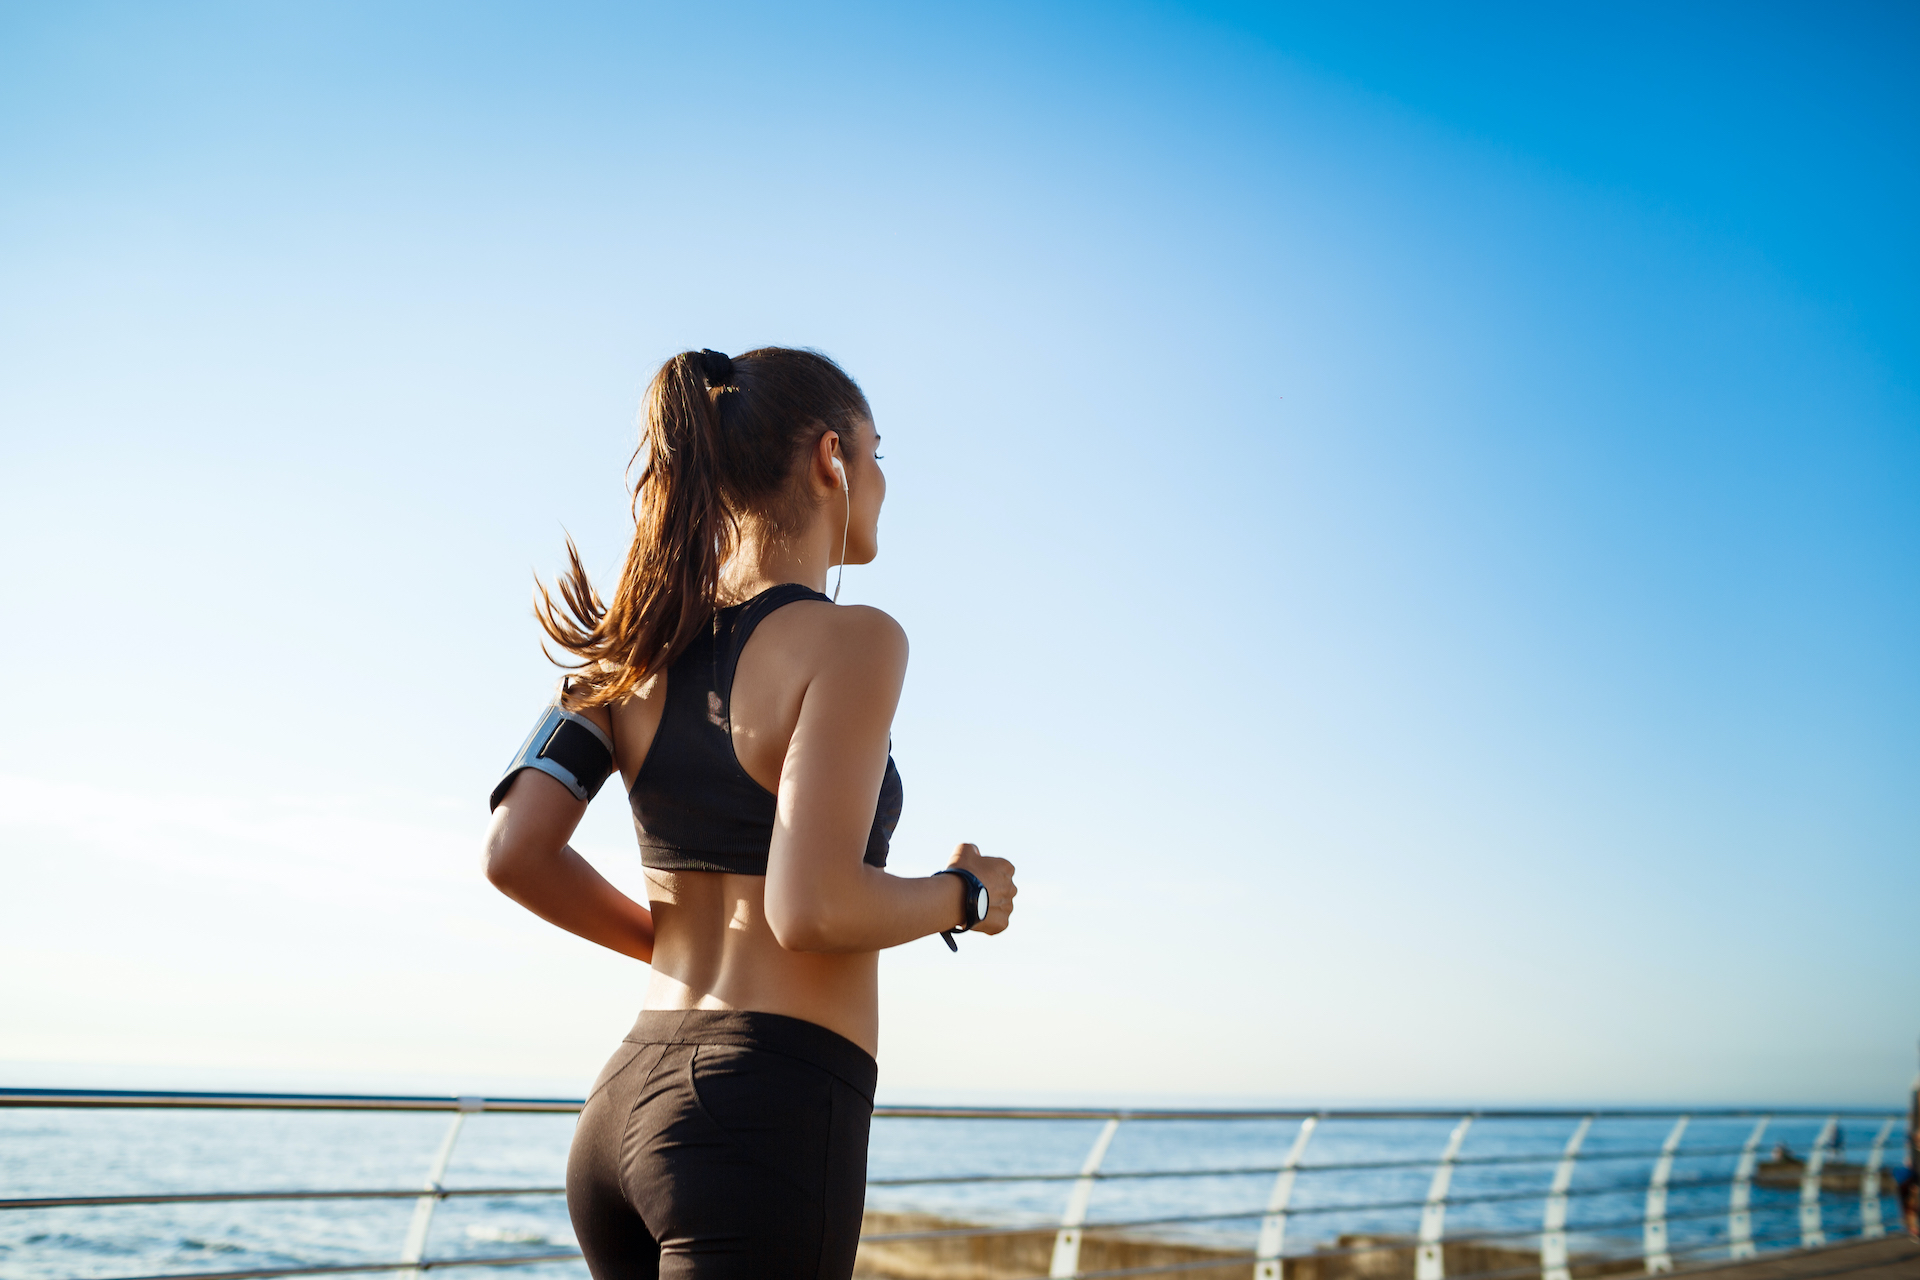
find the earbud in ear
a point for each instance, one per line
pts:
(839, 469)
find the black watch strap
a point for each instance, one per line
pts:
(972, 903)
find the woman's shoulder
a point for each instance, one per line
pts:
(836, 634)
(862, 624)
(874, 626)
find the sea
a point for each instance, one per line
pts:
(54, 1152)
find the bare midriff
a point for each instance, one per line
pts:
(713, 949)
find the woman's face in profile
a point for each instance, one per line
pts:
(867, 489)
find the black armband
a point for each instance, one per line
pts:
(566, 747)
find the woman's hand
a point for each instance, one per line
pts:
(997, 875)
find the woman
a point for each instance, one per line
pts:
(748, 717)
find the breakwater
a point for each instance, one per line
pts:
(945, 1252)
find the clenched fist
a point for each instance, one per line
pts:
(997, 875)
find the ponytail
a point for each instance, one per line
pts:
(720, 438)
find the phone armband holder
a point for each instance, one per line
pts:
(568, 748)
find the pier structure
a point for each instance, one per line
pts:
(899, 1245)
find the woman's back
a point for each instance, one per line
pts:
(714, 947)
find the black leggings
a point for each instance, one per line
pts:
(719, 1144)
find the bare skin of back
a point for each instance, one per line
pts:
(812, 706)
(713, 946)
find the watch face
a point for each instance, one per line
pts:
(980, 904)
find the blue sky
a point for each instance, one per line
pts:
(1406, 521)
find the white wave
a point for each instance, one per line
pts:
(506, 1235)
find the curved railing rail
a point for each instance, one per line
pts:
(1273, 1216)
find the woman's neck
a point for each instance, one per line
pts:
(763, 561)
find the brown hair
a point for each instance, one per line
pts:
(720, 439)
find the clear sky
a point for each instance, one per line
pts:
(1408, 519)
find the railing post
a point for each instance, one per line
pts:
(1811, 1234)
(1658, 1258)
(1430, 1263)
(416, 1246)
(1273, 1227)
(1739, 1216)
(1066, 1244)
(1871, 1228)
(1553, 1238)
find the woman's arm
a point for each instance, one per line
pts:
(529, 860)
(820, 896)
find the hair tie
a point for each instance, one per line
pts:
(717, 365)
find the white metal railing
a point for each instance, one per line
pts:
(1658, 1252)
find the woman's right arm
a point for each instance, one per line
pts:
(529, 860)
(820, 895)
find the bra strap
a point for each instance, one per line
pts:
(752, 614)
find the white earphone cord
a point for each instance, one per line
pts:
(844, 526)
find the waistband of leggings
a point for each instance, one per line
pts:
(773, 1032)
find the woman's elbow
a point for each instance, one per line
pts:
(503, 861)
(803, 926)
(498, 870)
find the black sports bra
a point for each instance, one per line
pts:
(695, 807)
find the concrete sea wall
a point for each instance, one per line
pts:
(1017, 1255)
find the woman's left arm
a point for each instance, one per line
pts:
(528, 859)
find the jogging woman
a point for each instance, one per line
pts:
(747, 715)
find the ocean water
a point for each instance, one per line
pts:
(51, 1152)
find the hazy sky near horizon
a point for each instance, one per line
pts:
(1408, 521)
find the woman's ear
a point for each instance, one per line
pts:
(830, 442)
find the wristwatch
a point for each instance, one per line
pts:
(973, 904)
